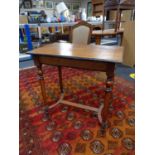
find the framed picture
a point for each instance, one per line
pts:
(48, 4)
(75, 6)
(27, 4)
(35, 4)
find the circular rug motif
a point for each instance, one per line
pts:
(132, 106)
(86, 135)
(78, 124)
(64, 149)
(116, 133)
(128, 143)
(120, 114)
(97, 147)
(131, 122)
(70, 116)
(57, 135)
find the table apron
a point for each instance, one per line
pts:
(75, 63)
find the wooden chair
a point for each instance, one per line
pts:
(81, 33)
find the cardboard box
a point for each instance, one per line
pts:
(129, 43)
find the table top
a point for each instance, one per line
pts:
(107, 32)
(83, 52)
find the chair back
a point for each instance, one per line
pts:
(81, 33)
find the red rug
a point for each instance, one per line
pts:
(75, 131)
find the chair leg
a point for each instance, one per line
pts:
(117, 19)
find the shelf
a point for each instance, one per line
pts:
(97, 7)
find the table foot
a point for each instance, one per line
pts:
(104, 125)
(46, 116)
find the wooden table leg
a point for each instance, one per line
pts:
(43, 91)
(108, 96)
(117, 20)
(42, 83)
(98, 39)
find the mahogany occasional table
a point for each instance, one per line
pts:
(91, 57)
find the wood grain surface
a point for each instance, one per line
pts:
(79, 51)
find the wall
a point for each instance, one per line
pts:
(49, 11)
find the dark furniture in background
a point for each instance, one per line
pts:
(119, 6)
(97, 7)
(98, 34)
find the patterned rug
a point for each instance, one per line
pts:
(74, 131)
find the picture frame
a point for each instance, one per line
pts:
(35, 4)
(27, 4)
(49, 4)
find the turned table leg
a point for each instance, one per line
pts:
(43, 91)
(42, 83)
(108, 97)
(117, 20)
(98, 39)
